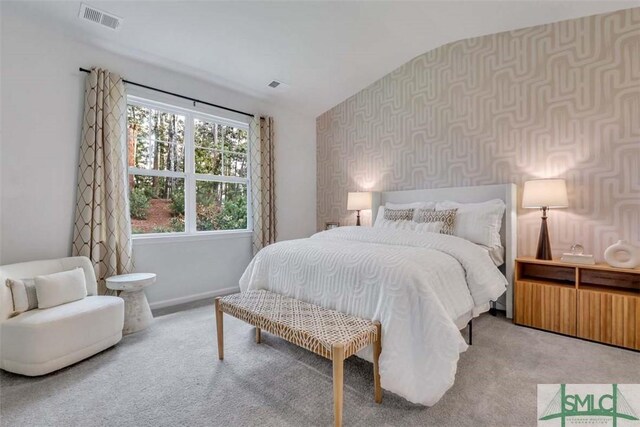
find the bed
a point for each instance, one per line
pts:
(422, 286)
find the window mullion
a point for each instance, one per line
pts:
(190, 184)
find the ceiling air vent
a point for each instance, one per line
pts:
(100, 17)
(274, 84)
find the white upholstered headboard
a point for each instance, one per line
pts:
(508, 233)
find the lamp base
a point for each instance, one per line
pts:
(358, 218)
(544, 246)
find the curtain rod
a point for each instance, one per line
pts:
(84, 70)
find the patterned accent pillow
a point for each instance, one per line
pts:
(447, 217)
(24, 295)
(398, 214)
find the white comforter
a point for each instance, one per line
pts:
(415, 284)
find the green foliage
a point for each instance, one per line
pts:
(177, 203)
(233, 215)
(139, 204)
(156, 141)
(177, 224)
(207, 217)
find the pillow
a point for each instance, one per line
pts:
(478, 222)
(60, 288)
(24, 296)
(379, 217)
(447, 217)
(395, 225)
(381, 222)
(496, 254)
(429, 227)
(398, 214)
(414, 205)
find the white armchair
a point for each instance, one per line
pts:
(40, 341)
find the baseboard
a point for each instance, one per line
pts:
(195, 297)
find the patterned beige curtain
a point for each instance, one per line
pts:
(263, 198)
(102, 228)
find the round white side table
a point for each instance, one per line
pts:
(137, 313)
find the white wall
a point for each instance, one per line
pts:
(41, 100)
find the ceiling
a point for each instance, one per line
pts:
(324, 51)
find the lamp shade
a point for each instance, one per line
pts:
(549, 193)
(357, 201)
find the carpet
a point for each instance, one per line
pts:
(169, 375)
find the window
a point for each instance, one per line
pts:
(188, 171)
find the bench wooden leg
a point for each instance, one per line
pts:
(377, 349)
(258, 335)
(338, 375)
(219, 328)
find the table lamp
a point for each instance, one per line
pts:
(544, 194)
(358, 201)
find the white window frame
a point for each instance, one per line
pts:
(189, 175)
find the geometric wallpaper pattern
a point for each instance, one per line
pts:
(557, 100)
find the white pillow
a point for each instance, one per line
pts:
(477, 222)
(429, 227)
(396, 225)
(60, 288)
(413, 205)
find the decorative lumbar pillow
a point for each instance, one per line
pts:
(416, 206)
(24, 295)
(398, 214)
(61, 288)
(381, 222)
(446, 217)
(413, 205)
(478, 222)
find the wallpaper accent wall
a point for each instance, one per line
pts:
(557, 100)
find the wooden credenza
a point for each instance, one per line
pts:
(595, 302)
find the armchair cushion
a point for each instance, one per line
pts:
(43, 340)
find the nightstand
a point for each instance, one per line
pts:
(594, 302)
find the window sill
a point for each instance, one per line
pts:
(154, 239)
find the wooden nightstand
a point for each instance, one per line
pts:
(594, 302)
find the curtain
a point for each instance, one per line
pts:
(263, 198)
(102, 229)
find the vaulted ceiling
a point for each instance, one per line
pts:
(324, 51)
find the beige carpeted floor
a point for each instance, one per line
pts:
(169, 376)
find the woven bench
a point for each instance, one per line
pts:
(328, 333)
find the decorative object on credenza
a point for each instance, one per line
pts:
(544, 194)
(358, 201)
(577, 249)
(622, 255)
(577, 256)
(331, 225)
